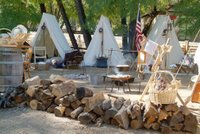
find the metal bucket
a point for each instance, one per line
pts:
(95, 79)
(11, 68)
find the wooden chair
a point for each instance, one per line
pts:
(27, 63)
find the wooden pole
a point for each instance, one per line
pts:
(156, 68)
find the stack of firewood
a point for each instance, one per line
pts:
(13, 97)
(61, 96)
(167, 118)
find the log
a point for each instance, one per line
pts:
(155, 126)
(74, 114)
(59, 111)
(36, 105)
(21, 88)
(58, 101)
(190, 123)
(106, 104)
(113, 96)
(19, 98)
(94, 117)
(151, 120)
(114, 122)
(62, 89)
(171, 107)
(162, 115)
(99, 121)
(47, 103)
(127, 103)
(130, 113)
(72, 98)
(68, 111)
(150, 110)
(177, 127)
(147, 125)
(122, 118)
(118, 103)
(176, 119)
(85, 100)
(56, 79)
(166, 130)
(31, 90)
(98, 110)
(94, 101)
(83, 92)
(75, 104)
(33, 104)
(136, 124)
(45, 83)
(85, 118)
(33, 81)
(46, 94)
(51, 108)
(65, 101)
(110, 113)
(136, 111)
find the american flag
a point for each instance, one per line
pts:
(138, 37)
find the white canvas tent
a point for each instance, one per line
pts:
(109, 42)
(162, 29)
(51, 36)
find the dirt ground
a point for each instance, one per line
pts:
(23, 120)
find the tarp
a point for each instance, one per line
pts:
(51, 36)
(162, 24)
(95, 50)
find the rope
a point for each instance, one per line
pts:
(185, 56)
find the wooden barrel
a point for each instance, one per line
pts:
(11, 68)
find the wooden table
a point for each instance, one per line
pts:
(120, 79)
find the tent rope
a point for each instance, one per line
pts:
(186, 55)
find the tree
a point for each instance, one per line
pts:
(188, 18)
(67, 24)
(82, 20)
(14, 12)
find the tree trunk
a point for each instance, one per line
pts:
(132, 36)
(68, 26)
(42, 8)
(82, 20)
(124, 35)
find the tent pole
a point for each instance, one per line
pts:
(196, 36)
(109, 59)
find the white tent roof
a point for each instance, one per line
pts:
(109, 42)
(52, 36)
(159, 25)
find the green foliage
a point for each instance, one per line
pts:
(14, 12)
(189, 18)
(27, 12)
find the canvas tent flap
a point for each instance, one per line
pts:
(51, 36)
(109, 42)
(162, 24)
